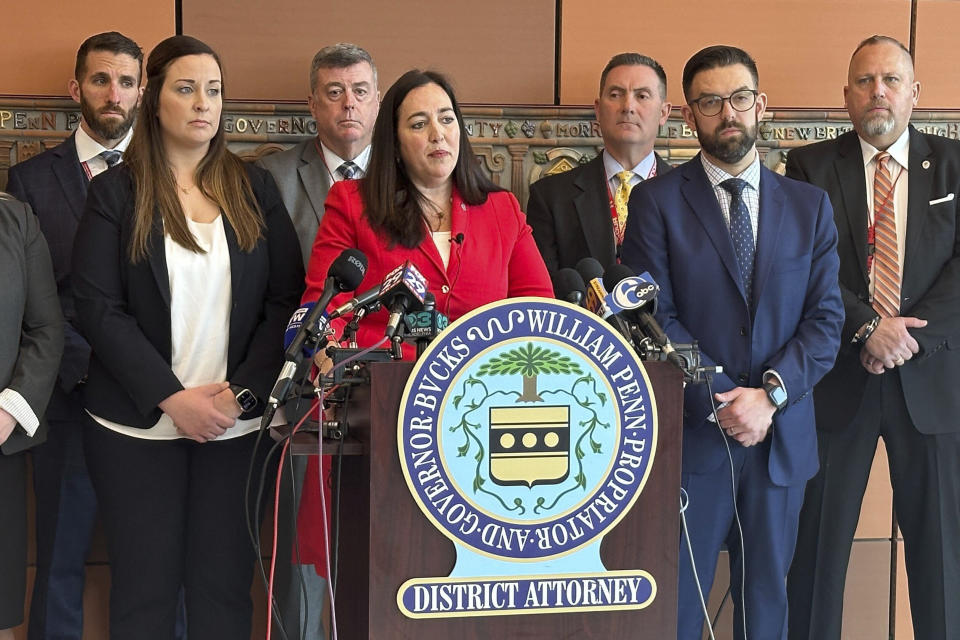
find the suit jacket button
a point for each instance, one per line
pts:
(743, 331)
(742, 378)
(445, 289)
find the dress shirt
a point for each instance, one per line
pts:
(333, 162)
(89, 150)
(640, 172)
(751, 194)
(13, 403)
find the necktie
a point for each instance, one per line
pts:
(348, 170)
(622, 195)
(886, 260)
(111, 157)
(741, 232)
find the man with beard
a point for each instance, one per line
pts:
(747, 265)
(106, 83)
(895, 195)
(582, 213)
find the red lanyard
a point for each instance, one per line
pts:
(872, 228)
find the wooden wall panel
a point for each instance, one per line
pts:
(802, 47)
(39, 44)
(936, 53)
(499, 51)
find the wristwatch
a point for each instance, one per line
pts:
(245, 398)
(776, 394)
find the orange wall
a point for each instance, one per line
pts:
(40, 41)
(801, 46)
(497, 51)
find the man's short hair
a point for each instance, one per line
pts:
(717, 56)
(339, 56)
(635, 59)
(112, 41)
(878, 39)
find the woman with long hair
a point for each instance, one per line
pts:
(185, 271)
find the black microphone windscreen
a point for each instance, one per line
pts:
(589, 269)
(348, 269)
(566, 281)
(614, 274)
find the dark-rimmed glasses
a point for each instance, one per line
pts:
(741, 100)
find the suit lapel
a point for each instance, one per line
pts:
(157, 256)
(70, 176)
(848, 166)
(919, 180)
(768, 233)
(314, 177)
(593, 209)
(703, 203)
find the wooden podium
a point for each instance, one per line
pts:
(385, 539)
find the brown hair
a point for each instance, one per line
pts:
(220, 176)
(392, 203)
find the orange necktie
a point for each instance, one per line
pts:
(886, 260)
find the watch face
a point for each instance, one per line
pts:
(246, 400)
(778, 396)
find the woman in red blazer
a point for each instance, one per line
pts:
(424, 199)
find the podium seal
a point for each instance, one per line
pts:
(527, 431)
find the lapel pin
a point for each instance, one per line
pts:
(925, 164)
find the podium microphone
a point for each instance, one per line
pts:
(402, 290)
(345, 273)
(568, 285)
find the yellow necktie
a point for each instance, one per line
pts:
(622, 195)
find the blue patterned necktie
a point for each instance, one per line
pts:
(348, 170)
(111, 157)
(741, 232)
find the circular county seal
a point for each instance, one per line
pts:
(527, 429)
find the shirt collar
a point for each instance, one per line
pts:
(642, 170)
(88, 148)
(333, 161)
(899, 150)
(716, 175)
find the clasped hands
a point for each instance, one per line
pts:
(203, 413)
(890, 345)
(748, 416)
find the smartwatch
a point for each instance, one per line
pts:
(245, 398)
(776, 394)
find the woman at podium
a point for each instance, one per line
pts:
(185, 268)
(424, 200)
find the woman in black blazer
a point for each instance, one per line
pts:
(31, 341)
(185, 271)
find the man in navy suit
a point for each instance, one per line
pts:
(106, 84)
(896, 374)
(747, 265)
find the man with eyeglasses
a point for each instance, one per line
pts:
(582, 213)
(747, 265)
(896, 195)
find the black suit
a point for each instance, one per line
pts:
(173, 510)
(570, 215)
(914, 407)
(55, 185)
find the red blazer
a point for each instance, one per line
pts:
(497, 259)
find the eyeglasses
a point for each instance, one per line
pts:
(739, 101)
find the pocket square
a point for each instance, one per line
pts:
(946, 198)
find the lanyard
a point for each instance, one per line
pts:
(618, 228)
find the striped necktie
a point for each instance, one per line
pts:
(886, 260)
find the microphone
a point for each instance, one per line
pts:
(366, 298)
(423, 326)
(568, 285)
(346, 273)
(458, 239)
(296, 321)
(595, 300)
(402, 290)
(635, 296)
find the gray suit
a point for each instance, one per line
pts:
(31, 325)
(303, 180)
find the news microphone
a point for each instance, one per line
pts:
(635, 296)
(402, 290)
(346, 273)
(568, 285)
(365, 299)
(296, 321)
(595, 299)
